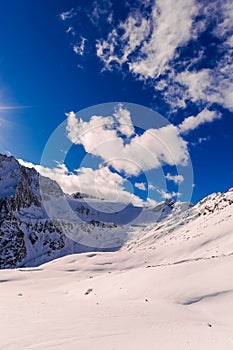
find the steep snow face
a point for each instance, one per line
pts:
(18, 183)
(202, 232)
(9, 175)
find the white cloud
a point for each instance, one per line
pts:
(94, 135)
(80, 48)
(151, 202)
(212, 84)
(101, 9)
(175, 178)
(150, 150)
(59, 174)
(229, 41)
(70, 30)
(196, 82)
(192, 122)
(151, 187)
(203, 139)
(208, 85)
(100, 183)
(200, 140)
(123, 117)
(168, 195)
(172, 27)
(155, 38)
(67, 14)
(135, 29)
(140, 185)
(224, 23)
(149, 44)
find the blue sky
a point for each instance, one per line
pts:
(61, 56)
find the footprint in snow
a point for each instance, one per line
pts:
(89, 291)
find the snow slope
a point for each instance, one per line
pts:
(169, 287)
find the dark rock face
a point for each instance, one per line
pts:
(27, 236)
(12, 243)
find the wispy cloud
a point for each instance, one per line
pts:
(207, 85)
(152, 44)
(117, 48)
(79, 48)
(154, 40)
(200, 140)
(67, 14)
(12, 107)
(164, 193)
(151, 187)
(101, 9)
(177, 179)
(164, 45)
(70, 30)
(193, 122)
(168, 195)
(140, 185)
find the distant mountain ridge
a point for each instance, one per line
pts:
(29, 236)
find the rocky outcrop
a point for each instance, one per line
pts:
(27, 235)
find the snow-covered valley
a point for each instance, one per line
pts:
(168, 286)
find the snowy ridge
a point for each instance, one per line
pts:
(29, 237)
(202, 232)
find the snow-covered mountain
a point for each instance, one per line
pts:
(204, 231)
(27, 235)
(36, 227)
(33, 231)
(168, 285)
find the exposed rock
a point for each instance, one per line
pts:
(27, 235)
